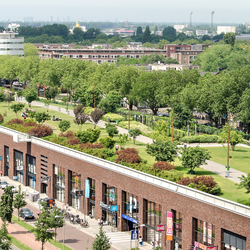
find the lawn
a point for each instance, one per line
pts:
(240, 157)
(19, 244)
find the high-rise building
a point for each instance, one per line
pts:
(225, 29)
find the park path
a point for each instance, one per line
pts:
(210, 166)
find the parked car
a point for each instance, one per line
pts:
(4, 184)
(26, 213)
(17, 84)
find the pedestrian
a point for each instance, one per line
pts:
(153, 243)
(140, 240)
(99, 222)
(24, 117)
(116, 147)
(67, 207)
(1, 173)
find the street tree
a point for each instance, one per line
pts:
(102, 242)
(17, 107)
(64, 125)
(56, 219)
(30, 95)
(111, 129)
(193, 157)
(110, 103)
(245, 182)
(19, 200)
(41, 117)
(80, 116)
(5, 239)
(123, 140)
(134, 133)
(96, 116)
(6, 205)
(162, 150)
(43, 226)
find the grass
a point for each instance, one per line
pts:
(19, 244)
(240, 157)
(29, 228)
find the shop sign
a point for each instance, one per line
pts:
(87, 188)
(112, 194)
(204, 231)
(160, 228)
(209, 231)
(169, 226)
(114, 208)
(79, 193)
(130, 219)
(201, 246)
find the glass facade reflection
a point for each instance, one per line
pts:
(19, 165)
(59, 180)
(31, 171)
(75, 185)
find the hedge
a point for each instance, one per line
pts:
(112, 117)
(200, 139)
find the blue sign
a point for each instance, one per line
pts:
(87, 188)
(130, 219)
(0, 158)
(114, 208)
(112, 194)
(134, 234)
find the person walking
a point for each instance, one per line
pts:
(116, 147)
(1, 173)
(153, 243)
(140, 240)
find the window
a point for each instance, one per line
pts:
(59, 180)
(31, 164)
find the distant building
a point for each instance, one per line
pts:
(225, 29)
(83, 28)
(243, 37)
(11, 45)
(189, 33)
(180, 27)
(28, 19)
(102, 45)
(13, 27)
(134, 44)
(201, 32)
(125, 33)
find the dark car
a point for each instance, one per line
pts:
(49, 201)
(26, 213)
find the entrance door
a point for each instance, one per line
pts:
(44, 188)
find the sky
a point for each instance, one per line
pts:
(226, 11)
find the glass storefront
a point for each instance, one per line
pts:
(59, 180)
(177, 230)
(7, 160)
(31, 173)
(75, 185)
(19, 165)
(233, 241)
(152, 219)
(92, 197)
(130, 209)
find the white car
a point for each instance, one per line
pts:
(5, 184)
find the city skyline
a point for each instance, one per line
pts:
(139, 11)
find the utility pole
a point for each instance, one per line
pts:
(67, 94)
(191, 19)
(128, 110)
(173, 121)
(44, 86)
(94, 96)
(212, 14)
(228, 124)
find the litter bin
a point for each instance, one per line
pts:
(34, 196)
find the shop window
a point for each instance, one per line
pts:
(75, 184)
(177, 230)
(31, 171)
(19, 165)
(7, 160)
(59, 180)
(232, 241)
(92, 197)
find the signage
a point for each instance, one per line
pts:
(45, 179)
(169, 226)
(130, 219)
(87, 188)
(134, 234)
(114, 208)
(19, 167)
(201, 246)
(112, 194)
(204, 231)
(160, 228)
(209, 232)
(0, 158)
(76, 181)
(79, 193)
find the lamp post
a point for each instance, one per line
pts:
(228, 124)
(58, 216)
(142, 225)
(191, 19)
(212, 15)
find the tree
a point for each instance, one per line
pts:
(193, 157)
(162, 150)
(56, 219)
(111, 129)
(123, 139)
(30, 95)
(41, 117)
(5, 239)
(17, 107)
(30, 50)
(229, 38)
(9, 98)
(102, 242)
(146, 35)
(2, 96)
(47, 103)
(43, 225)
(80, 116)
(19, 200)
(110, 103)
(19, 93)
(234, 138)
(134, 133)
(6, 204)
(96, 115)
(64, 125)
(169, 31)
(139, 30)
(245, 182)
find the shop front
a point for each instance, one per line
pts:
(31, 174)
(18, 166)
(177, 230)
(59, 180)
(91, 204)
(232, 241)
(75, 185)
(7, 160)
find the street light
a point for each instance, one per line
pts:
(58, 216)
(142, 225)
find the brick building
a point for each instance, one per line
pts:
(126, 197)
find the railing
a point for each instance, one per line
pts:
(150, 179)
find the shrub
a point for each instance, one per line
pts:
(19, 127)
(200, 139)
(68, 134)
(29, 124)
(134, 124)
(128, 155)
(64, 125)
(111, 129)
(112, 117)
(202, 183)
(41, 130)
(91, 145)
(108, 142)
(1, 119)
(74, 141)
(244, 201)
(15, 121)
(88, 110)
(89, 135)
(108, 152)
(95, 152)
(163, 165)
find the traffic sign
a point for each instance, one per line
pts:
(134, 234)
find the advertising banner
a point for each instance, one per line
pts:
(204, 231)
(169, 226)
(87, 188)
(160, 228)
(114, 208)
(209, 232)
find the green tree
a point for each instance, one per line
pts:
(169, 31)
(19, 200)
(47, 103)
(2, 96)
(111, 129)
(146, 35)
(80, 116)
(30, 50)
(43, 225)
(139, 30)
(229, 38)
(30, 95)
(162, 150)
(123, 140)
(56, 219)
(17, 107)
(5, 239)
(102, 242)
(134, 133)
(64, 125)
(110, 103)
(245, 182)
(6, 205)
(41, 117)
(161, 44)
(9, 98)
(96, 116)
(19, 93)
(193, 157)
